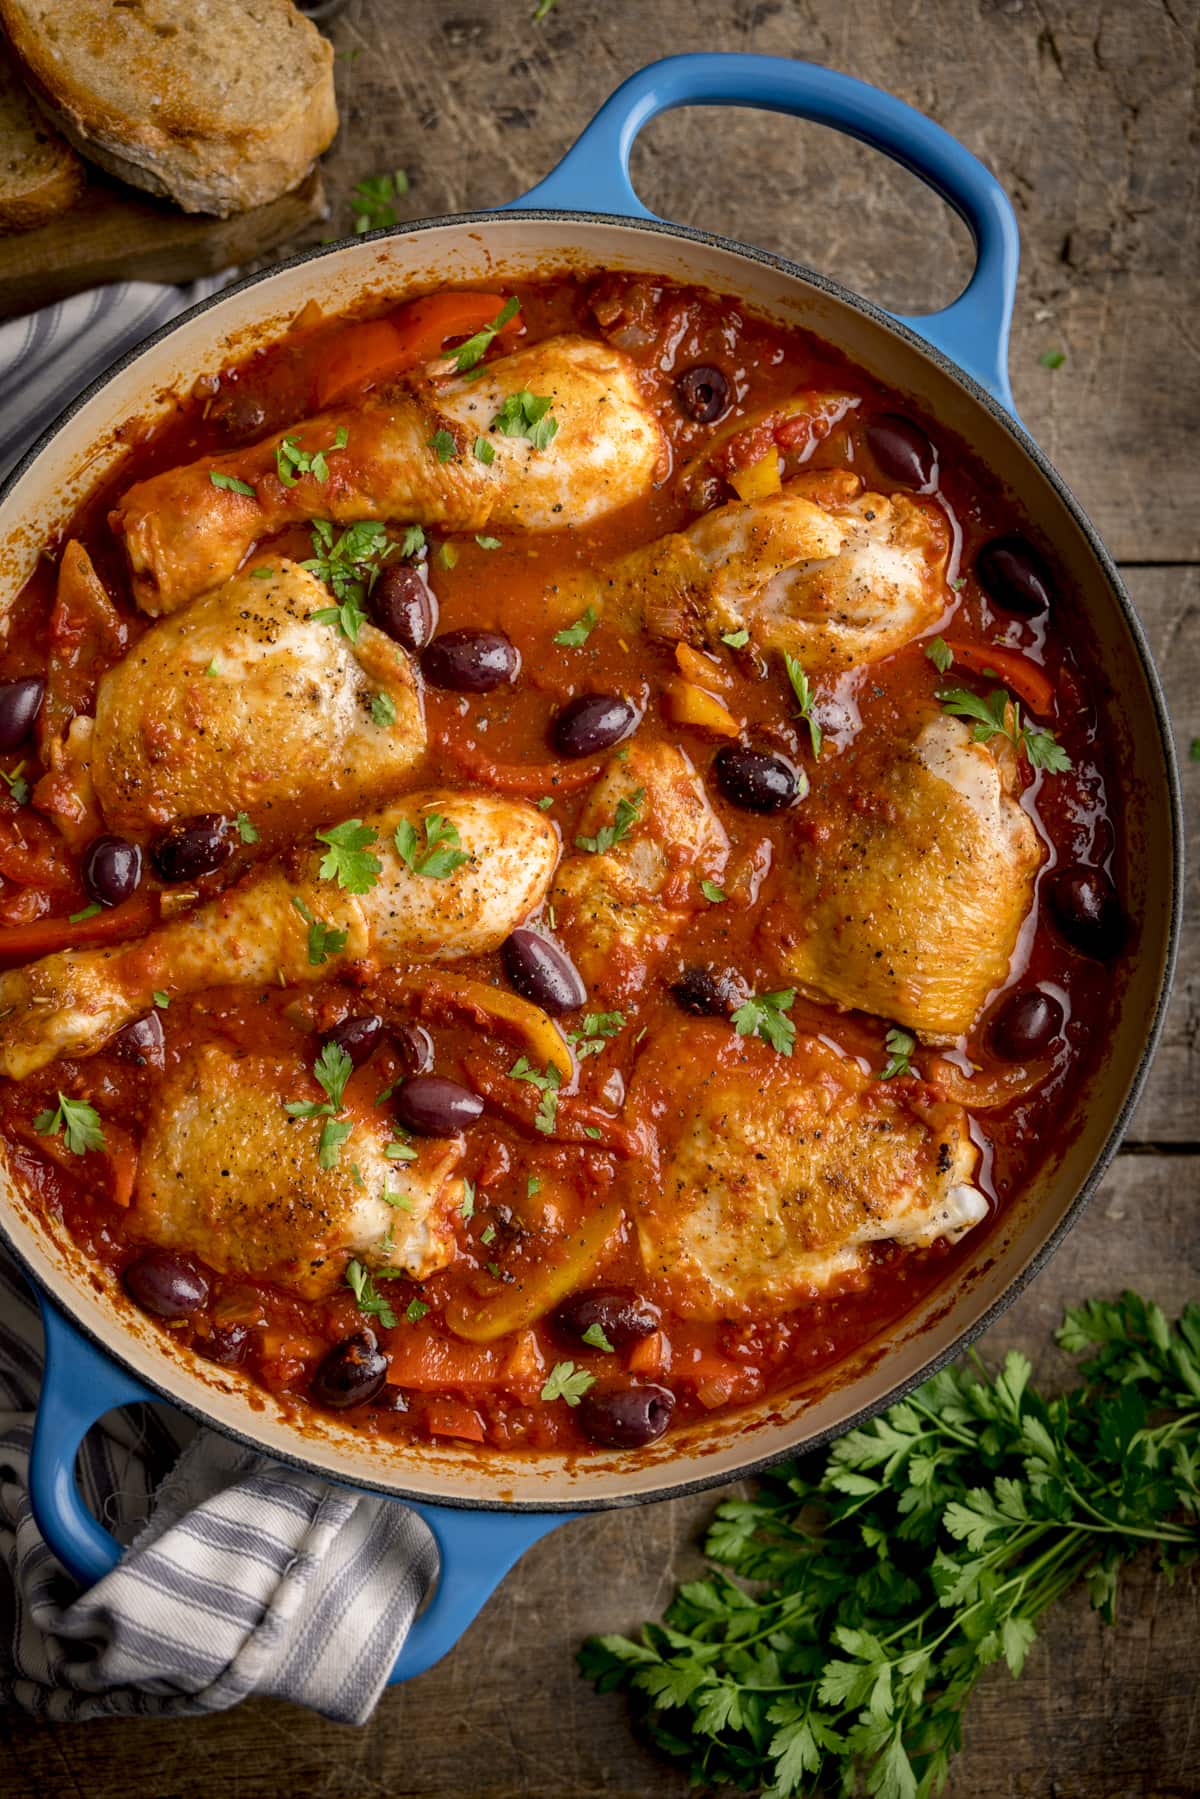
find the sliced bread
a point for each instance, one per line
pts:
(40, 174)
(219, 104)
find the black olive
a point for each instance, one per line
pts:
(1025, 1024)
(20, 703)
(112, 869)
(542, 972)
(351, 1373)
(226, 1344)
(471, 661)
(403, 604)
(357, 1036)
(1014, 576)
(703, 393)
(415, 1046)
(707, 993)
(167, 1283)
(623, 1315)
(1085, 907)
(190, 847)
(594, 722)
(758, 781)
(429, 1105)
(902, 450)
(626, 1417)
(141, 1042)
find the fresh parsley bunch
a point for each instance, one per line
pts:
(852, 1611)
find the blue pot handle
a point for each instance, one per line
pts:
(80, 1384)
(973, 331)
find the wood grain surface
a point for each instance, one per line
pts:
(1085, 110)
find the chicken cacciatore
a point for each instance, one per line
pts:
(555, 864)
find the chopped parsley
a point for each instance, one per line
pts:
(484, 452)
(78, 1122)
(737, 640)
(398, 1151)
(442, 853)
(212, 671)
(399, 1202)
(412, 543)
(624, 821)
(349, 565)
(488, 543)
(716, 896)
(89, 911)
(568, 1382)
(487, 1236)
(763, 1015)
(527, 415)
(161, 1000)
(475, 348)
(415, 1310)
(261, 573)
(573, 635)
(230, 483)
(1052, 359)
(347, 859)
(16, 783)
(596, 1030)
(940, 654)
(291, 461)
(245, 829)
(331, 1071)
(547, 1084)
(533, 1185)
(443, 446)
(369, 1299)
(547, 799)
(323, 940)
(595, 1338)
(467, 1209)
(447, 554)
(372, 200)
(805, 697)
(900, 1047)
(1000, 716)
(383, 710)
(1194, 750)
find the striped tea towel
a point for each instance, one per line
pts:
(240, 1576)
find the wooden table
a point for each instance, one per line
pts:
(1082, 110)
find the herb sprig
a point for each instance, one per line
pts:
(926, 1549)
(765, 1015)
(1000, 716)
(626, 816)
(350, 565)
(78, 1123)
(443, 852)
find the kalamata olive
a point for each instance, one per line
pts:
(622, 1315)
(758, 781)
(703, 393)
(112, 869)
(416, 1047)
(429, 1105)
(626, 1417)
(902, 450)
(190, 847)
(593, 722)
(226, 1344)
(141, 1042)
(707, 992)
(166, 1282)
(1014, 575)
(1085, 907)
(357, 1036)
(403, 604)
(20, 703)
(1025, 1024)
(542, 972)
(238, 414)
(470, 661)
(351, 1373)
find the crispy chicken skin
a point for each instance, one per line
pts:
(241, 703)
(911, 902)
(70, 1003)
(820, 570)
(184, 536)
(617, 910)
(225, 1173)
(773, 1175)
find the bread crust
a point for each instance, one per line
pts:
(171, 146)
(40, 175)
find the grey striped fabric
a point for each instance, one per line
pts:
(240, 1576)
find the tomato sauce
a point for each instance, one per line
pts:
(490, 1393)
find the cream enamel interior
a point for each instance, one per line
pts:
(504, 247)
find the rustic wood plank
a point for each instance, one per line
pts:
(1098, 1711)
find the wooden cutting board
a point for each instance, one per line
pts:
(117, 234)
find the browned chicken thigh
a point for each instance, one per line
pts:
(412, 457)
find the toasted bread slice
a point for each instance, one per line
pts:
(40, 174)
(219, 104)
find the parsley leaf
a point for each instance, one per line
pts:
(488, 543)
(737, 640)
(716, 896)
(78, 1123)
(415, 1310)
(162, 1000)
(940, 654)
(547, 1083)
(484, 452)
(442, 853)
(347, 859)
(291, 461)
(16, 783)
(473, 351)
(805, 698)
(91, 910)
(763, 1015)
(571, 636)
(350, 566)
(566, 1381)
(1000, 716)
(624, 821)
(527, 415)
(466, 1210)
(231, 483)
(1052, 359)
(334, 1133)
(323, 940)
(383, 710)
(331, 1070)
(443, 446)
(596, 1030)
(245, 828)
(368, 1296)
(595, 1338)
(900, 1047)
(372, 200)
